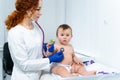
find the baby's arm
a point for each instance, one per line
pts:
(74, 57)
(76, 60)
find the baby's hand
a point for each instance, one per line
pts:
(77, 61)
(50, 45)
(81, 63)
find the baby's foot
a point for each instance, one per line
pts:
(75, 74)
(90, 73)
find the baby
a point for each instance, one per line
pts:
(70, 65)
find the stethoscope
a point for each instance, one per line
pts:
(42, 38)
(61, 49)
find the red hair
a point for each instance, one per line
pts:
(17, 16)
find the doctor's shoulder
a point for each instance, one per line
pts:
(16, 31)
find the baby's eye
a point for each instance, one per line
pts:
(62, 34)
(67, 35)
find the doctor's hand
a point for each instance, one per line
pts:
(45, 47)
(48, 46)
(51, 48)
(57, 57)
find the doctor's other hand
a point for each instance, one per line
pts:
(57, 57)
(45, 47)
(48, 46)
(51, 48)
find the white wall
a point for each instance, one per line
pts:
(53, 14)
(5, 7)
(97, 25)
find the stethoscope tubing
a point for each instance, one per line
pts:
(42, 38)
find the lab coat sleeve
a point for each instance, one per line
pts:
(20, 56)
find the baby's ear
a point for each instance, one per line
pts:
(56, 36)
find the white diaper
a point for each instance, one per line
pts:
(68, 67)
(58, 77)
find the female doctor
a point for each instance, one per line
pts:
(25, 40)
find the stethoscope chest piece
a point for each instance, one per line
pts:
(62, 49)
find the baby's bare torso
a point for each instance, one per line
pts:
(68, 53)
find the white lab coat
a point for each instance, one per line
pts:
(25, 48)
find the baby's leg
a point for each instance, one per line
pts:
(84, 72)
(62, 71)
(88, 73)
(77, 68)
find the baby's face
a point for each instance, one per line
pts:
(64, 36)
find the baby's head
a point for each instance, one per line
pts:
(64, 27)
(64, 33)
